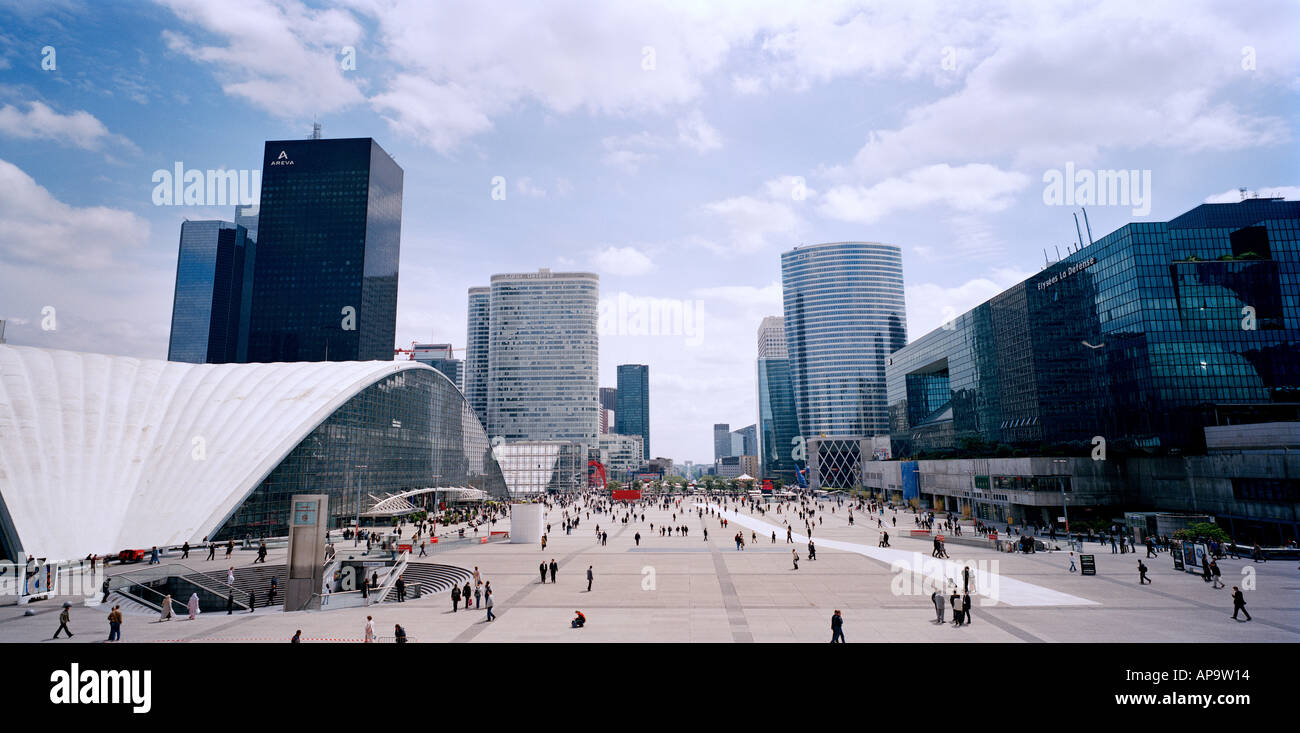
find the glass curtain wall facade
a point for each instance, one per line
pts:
(330, 227)
(411, 430)
(632, 411)
(213, 297)
(478, 335)
(844, 316)
(1144, 337)
(542, 357)
(778, 426)
(721, 441)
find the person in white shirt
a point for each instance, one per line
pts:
(370, 629)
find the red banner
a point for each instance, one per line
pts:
(627, 495)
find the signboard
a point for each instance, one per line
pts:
(767, 485)
(626, 495)
(1087, 565)
(1176, 552)
(304, 513)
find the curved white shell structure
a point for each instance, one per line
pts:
(100, 453)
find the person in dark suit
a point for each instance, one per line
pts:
(541, 568)
(252, 600)
(554, 568)
(1238, 603)
(837, 627)
(455, 598)
(965, 608)
(230, 602)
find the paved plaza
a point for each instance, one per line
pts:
(688, 589)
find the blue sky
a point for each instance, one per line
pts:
(674, 148)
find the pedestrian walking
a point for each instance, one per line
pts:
(965, 608)
(166, 614)
(252, 600)
(795, 555)
(400, 587)
(115, 624)
(837, 627)
(212, 549)
(193, 606)
(1142, 573)
(590, 577)
(541, 568)
(455, 598)
(465, 595)
(1238, 603)
(1072, 567)
(955, 600)
(487, 602)
(185, 550)
(64, 617)
(937, 599)
(554, 568)
(230, 576)
(370, 630)
(1216, 574)
(230, 602)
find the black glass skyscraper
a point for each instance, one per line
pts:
(210, 307)
(329, 230)
(632, 410)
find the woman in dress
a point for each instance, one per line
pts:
(193, 605)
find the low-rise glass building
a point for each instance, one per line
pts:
(1142, 338)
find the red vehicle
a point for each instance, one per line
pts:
(126, 556)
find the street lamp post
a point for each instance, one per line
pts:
(357, 531)
(1065, 506)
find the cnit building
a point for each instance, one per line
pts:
(1154, 370)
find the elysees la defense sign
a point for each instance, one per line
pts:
(1058, 277)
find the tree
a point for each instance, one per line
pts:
(613, 485)
(1202, 531)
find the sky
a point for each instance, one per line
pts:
(676, 149)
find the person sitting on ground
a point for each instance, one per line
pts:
(578, 621)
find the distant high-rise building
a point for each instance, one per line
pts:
(778, 425)
(844, 316)
(213, 296)
(608, 401)
(478, 333)
(771, 338)
(246, 217)
(721, 440)
(632, 416)
(745, 441)
(442, 358)
(542, 357)
(329, 234)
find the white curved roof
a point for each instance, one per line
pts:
(101, 453)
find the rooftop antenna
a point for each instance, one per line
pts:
(315, 130)
(1058, 252)
(1045, 262)
(1086, 224)
(1076, 230)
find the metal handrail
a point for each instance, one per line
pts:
(155, 606)
(390, 580)
(168, 571)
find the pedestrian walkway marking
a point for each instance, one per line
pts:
(1002, 589)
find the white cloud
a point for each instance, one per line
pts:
(524, 187)
(753, 221)
(282, 56)
(1233, 195)
(629, 160)
(1059, 83)
(623, 261)
(697, 134)
(80, 129)
(968, 188)
(40, 229)
(930, 305)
